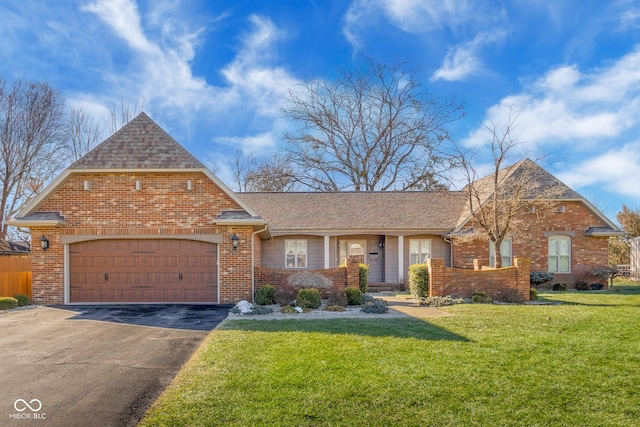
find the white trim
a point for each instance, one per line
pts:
(35, 222)
(559, 237)
(218, 272)
(401, 259)
(253, 265)
(327, 261)
(68, 239)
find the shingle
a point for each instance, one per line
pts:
(358, 210)
(140, 144)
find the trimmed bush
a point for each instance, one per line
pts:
(481, 297)
(377, 306)
(512, 296)
(540, 277)
(419, 280)
(334, 308)
(258, 310)
(338, 297)
(7, 303)
(265, 294)
(581, 285)
(596, 286)
(22, 299)
(284, 296)
(304, 279)
(354, 295)
(287, 309)
(559, 287)
(309, 298)
(363, 277)
(533, 294)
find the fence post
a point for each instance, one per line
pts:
(436, 277)
(523, 266)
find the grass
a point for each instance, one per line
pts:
(577, 363)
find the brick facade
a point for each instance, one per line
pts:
(163, 206)
(532, 242)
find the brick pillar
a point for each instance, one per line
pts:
(524, 269)
(436, 277)
(353, 270)
(479, 263)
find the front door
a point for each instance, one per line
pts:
(352, 247)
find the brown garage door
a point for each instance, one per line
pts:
(144, 271)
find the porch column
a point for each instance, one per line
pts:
(401, 259)
(327, 261)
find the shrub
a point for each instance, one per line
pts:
(533, 294)
(419, 280)
(338, 297)
(441, 301)
(309, 298)
(22, 299)
(265, 294)
(363, 277)
(377, 306)
(596, 286)
(259, 309)
(287, 309)
(284, 296)
(354, 295)
(581, 285)
(559, 287)
(540, 277)
(304, 279)
(7, 303)
(512, 296)
(481, 297)
(334, 308)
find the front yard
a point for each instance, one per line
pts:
(577, 363)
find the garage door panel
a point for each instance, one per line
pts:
(143, 271)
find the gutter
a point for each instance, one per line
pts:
(450, 242)
(253, 262)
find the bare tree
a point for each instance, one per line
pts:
(371, 129)
(501, 203)
(83, 133)
(120, 116)
(32, 142)
(619, 247)
(253, 173)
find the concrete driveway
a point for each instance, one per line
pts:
(94, 365)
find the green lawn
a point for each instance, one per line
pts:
(575, 364)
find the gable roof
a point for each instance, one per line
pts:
(9, 248)
(537, 181)
(358, 212)
(140, 144)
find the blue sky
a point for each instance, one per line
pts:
(215, 74)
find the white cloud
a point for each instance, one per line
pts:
(463, 60)
(252, 144)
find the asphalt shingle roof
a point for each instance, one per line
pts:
(358, 210)
(140, 144)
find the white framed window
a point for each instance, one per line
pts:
(560, 254)
(419, 251)
(295, 254)
(351, 247)
(506, 253)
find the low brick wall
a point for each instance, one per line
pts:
(464, 282)
(340, 276)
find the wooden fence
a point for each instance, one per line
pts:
(15, 275)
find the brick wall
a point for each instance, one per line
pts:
(163, 206)
(464, 282)
(532, 242)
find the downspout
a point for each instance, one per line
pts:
(446, 239)
(253, 262)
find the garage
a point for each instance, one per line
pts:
(143, 271)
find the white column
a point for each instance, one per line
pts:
(401, 259)
(327, 261)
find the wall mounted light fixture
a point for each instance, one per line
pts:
(234, 241)
(44, 243)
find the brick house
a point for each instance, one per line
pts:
(140, 219)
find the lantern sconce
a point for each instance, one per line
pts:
(234, 241)
(381, 244)
(44, 243)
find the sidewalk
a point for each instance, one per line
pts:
(406, 305)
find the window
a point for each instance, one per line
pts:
(295, 253)
(559, 254)
(505, 252)
(419, 251)
(351, 247)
